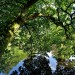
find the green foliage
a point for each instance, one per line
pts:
(11, 58)
(34, 26)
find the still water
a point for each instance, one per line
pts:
(52, 64)
(52, 61)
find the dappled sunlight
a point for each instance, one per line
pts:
(29, 29)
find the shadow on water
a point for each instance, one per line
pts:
(43, 65)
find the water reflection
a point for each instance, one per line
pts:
(16, 67)
(2, 73)
(38, 66)
(56, 69)
(52, 61)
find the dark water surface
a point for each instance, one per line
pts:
(56, 69)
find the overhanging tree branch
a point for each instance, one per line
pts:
(70, 5)
(29, 3)
(18, 20)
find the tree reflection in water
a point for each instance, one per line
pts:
(64, 71)
(39, 65)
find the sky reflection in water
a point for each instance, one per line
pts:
(52, 64)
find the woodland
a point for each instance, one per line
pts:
(29, 27)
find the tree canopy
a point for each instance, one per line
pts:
(37, 26)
